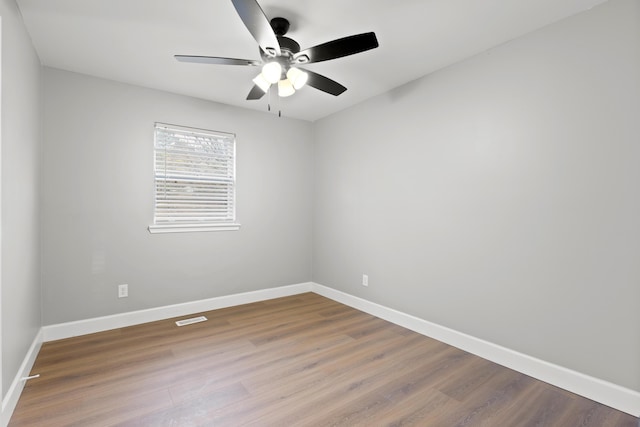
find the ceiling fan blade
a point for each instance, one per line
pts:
(255, 93)
(337, 48)
(324, 84)
(216, 60)
(258, 25)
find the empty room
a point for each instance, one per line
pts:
(310, 213)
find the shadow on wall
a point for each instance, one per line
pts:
(406, 90)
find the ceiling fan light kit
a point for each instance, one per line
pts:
(262, 82)
(271, 71)
(285, 88)
(288, 82)
(298, 77)
(279, 54)
(295, 79)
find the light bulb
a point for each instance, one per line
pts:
(272, 71)
(262, 83)
(285, 88)
(298, 77)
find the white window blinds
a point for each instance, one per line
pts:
(194, 176)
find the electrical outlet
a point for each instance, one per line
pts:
(365, 280)
(123, 291)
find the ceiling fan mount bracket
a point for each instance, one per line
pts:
(280, 26)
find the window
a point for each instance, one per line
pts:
(194, 180)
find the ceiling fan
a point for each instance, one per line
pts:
(281, 56)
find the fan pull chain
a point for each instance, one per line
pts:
(269, 99)
(279, 111)
(269, 103)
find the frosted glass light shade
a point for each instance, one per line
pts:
(262, 83)
(272, 71)
(285, 88)
(298, 77)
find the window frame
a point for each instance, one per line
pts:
(195, 225)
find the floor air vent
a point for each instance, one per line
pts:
(185, 322)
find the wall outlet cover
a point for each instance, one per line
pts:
(123, 291)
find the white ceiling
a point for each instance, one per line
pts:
(133, 41)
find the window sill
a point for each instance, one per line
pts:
(188, 228)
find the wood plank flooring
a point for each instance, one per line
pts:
(296, 361)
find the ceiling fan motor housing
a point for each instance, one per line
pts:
(288, 46)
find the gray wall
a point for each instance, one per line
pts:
(98, 201)
(499, 196)
(20, 281)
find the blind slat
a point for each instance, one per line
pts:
(194, 175)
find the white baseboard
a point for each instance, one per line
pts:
(10, 400)
(607, 393)
(105, 323)
(601, 391)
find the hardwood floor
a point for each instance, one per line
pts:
(296, 361)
